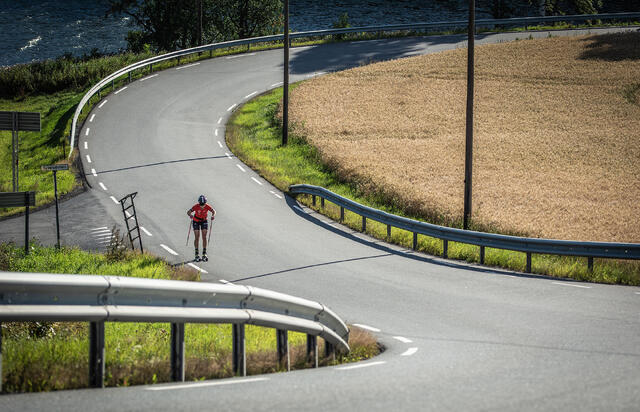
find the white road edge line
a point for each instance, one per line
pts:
(256, 180)
(216, 132)
(121, 90)
(102, 104)
(220, 144)
(86, 145)
(145, 231)
(93, 116)
(188, 65)
(220, 120)
(367, 327)
(240, 55)
(99, 228)
(275, 194)
(114, 200)
(102, 186)
(226, 282)
(86, 132)
(250, 95)
(168, 249)
(569, 284)
(93, 172)
(88, 159)
(403, 339)
(204, 384)
(277, 84)
(232, 107)
(197, 268)
(409, 352)
(366, 365)
(228, 155)
(241, 168)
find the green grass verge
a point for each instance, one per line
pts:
(255, 136)
(42, 356)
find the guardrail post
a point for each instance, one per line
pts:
(312, 349)
(96, 354)
(415, 240)
(177, 352)
(282, 342)
(329, 350)
(389, 232)
(322, 202)
(364, 224)
(313, 200)
(129, 77)
(341, 214)
(528, 262)
(590, 263)
(482, 255)
(113, 85)
(239, 353)
(445, 248)
(151, 68)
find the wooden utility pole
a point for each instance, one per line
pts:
(468, 158)
(285, 86)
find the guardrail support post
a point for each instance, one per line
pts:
(313, 200)
(415, 240)
(590, 263)
(364, 224)
(282, 342)
(482, 255)
(445, 248)
(239, 354)
(329, 350)
(389, 232)
(312, 349)
(341, 214)
(322, 202)
(177, 352)
(129, 77)
(96, 354)
(528, 262)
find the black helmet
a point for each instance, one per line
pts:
(202, 200)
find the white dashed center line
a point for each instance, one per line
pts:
(86, 145)
(256, 180)
(102, 104)
(114, 200)
(102, 186)
(228, 155)
(168, 249)
(402, 339)
(371, 328)
(409, 352)
(121, 90)
(88, 159)
(220, 144)
(569, 284)
(364, 365)
(197, 268)
(93, 116)
(86, 132)
(216, 132)
(188, 65)
(241, 168)
(220, 120)
(145, 231)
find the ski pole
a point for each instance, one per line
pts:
(210, 230)
(189, 232)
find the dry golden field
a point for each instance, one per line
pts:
(556, 134)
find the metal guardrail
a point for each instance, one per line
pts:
(484, 240)
(330, 32)
(100, 299)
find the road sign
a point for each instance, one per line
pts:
(20, 121)
(17, 199)
(51, 168)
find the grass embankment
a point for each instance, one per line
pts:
(42, 356)
(544, 142)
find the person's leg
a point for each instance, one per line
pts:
(204, 239)
(196, 240)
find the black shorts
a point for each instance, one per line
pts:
(200, 225)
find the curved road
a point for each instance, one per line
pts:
(458, 337)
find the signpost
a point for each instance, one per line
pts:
(18, 121)
(19, 199)
(54, 169)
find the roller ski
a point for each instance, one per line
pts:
(204, 257)
(197, 258)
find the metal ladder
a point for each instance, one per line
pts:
(128, 216)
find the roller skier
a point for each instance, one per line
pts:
(198, 214)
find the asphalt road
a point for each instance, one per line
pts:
(458, 336)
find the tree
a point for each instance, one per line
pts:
(179, 24)
(560, 7)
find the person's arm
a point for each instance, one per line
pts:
(213, 213)
(189, 213)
